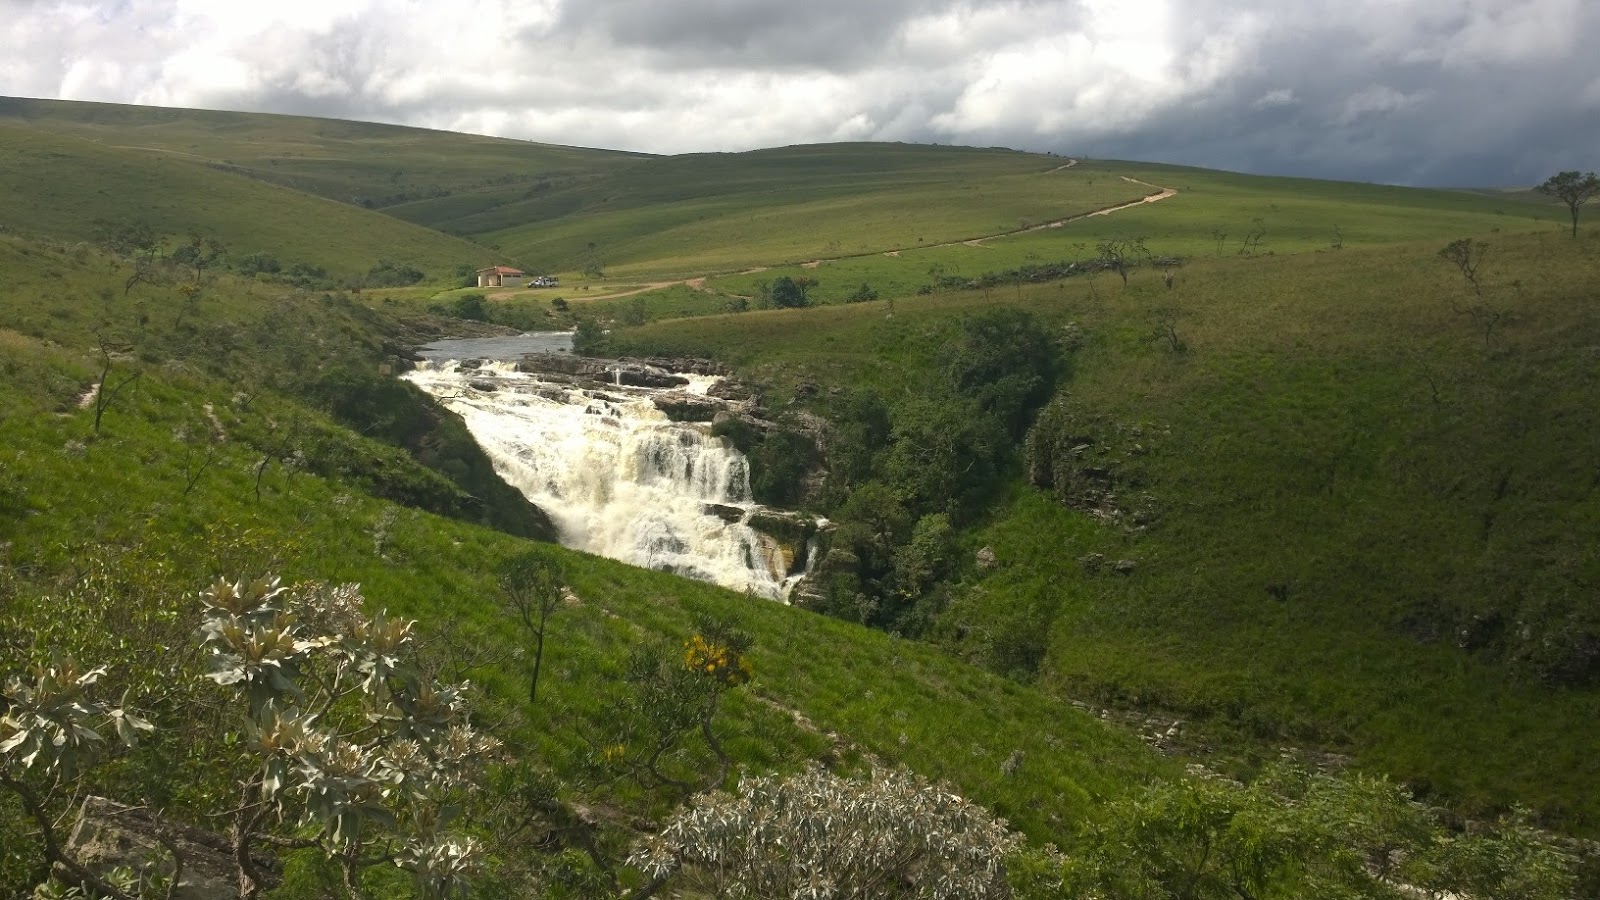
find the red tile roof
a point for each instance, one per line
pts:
(501, 270)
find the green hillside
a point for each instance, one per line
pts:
(360, 163)
(219, 460)
(64, 187)
(1211, 215)
(706, 212)
(1361, 515)
(1252, 456)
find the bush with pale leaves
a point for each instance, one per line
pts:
(816, 835)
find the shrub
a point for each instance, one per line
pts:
(862, 294)
(259, 262)
(817, 834)
(388, 273)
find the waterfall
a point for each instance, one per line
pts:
(616, 475)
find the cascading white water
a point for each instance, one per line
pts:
(616, 475)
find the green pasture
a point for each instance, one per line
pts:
(61, 187)
(692, 215)
(360, 163)
(1210, 216)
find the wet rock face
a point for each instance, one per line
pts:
(724, 512)
(788, 527)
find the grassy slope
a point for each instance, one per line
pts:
(353, 162)
(1290, 357)
(705, 212)
(893, 699)
(899, 700)
(59, 186)
(1298, 215)
(1297, 442)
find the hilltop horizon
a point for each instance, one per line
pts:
(1503, 185)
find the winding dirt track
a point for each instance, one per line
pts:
(699, 282)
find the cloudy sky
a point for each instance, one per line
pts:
(1469, 92)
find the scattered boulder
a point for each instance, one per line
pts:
(692, 365)
(986, 559)
(644, 376)
(732, 391)
(1124, 567)
(487, 387)
(681, 407)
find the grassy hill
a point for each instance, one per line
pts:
(1355, 493)
(216, 462)
(63, 186)
(705, 212)
(360, 163)
(1365, 520)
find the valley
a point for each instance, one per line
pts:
(1251, 456)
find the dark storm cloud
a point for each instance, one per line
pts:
(839, 34)
(1406, 91)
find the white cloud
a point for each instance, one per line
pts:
(1275, 98)
(1221, 82)
(1376, 99)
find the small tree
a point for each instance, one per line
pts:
(199, 253)
(588, 337)
(1250, 245)
(105, 393)
(665, 698)
(791, 293)
(1572, 189)
(532, 589)
(862, 294)
(1467, 256)
(1120, 255)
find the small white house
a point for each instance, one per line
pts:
(498, 276)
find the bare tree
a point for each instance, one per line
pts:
(106, 393)
(1251, 244)
(1167, 328)
(533, 590)
(1572, 189)
(1220, 235)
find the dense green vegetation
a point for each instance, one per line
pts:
(1300, 483)
(1357, 493)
